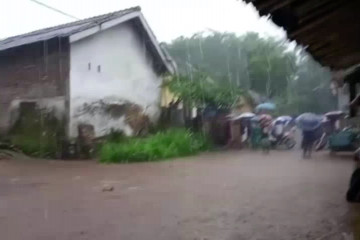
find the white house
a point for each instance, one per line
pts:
(105, 71)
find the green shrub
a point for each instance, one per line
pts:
(115, 136)
(162, 145)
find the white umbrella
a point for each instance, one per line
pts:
(284, 119)
(243, 115)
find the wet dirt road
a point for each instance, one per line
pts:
(214, 196)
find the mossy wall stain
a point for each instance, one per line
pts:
(37, 131)
(132, 115)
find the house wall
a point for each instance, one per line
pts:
(35, 72)
(112, 82)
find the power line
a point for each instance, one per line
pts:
(54, 9)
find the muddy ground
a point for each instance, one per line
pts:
(225, 195)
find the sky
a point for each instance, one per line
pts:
(168, 19)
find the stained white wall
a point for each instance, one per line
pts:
(56, 105)
(125, 74)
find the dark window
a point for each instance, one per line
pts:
(99, 68)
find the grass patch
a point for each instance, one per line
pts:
(162, 145)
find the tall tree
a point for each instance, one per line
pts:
(244, 61)
(266, 65)
(313, 87)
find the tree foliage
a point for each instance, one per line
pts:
(202, 91)
(267, 66)
(311, 89)
(248, 61)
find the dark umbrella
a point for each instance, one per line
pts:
(309, 121)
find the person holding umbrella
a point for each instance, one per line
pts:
(265, 122)
(309, 123)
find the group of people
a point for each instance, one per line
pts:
(264, 131)
(261, 131)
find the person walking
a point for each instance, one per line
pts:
(309, 123)
(308, 139)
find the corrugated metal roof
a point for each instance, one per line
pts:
(63, 30)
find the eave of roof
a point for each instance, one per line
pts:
(328, 29)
